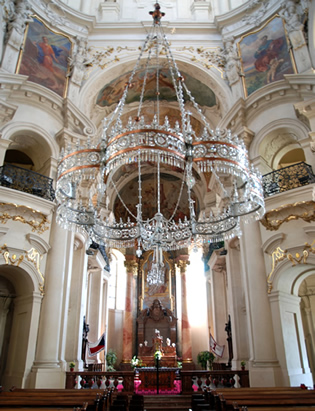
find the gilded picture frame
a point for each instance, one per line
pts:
(44, 57)
(265, 55)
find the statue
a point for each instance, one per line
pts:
(85, 332)
(79, 61)
(291, 16)
(22, 16)
(232, 62)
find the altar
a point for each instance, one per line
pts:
(155, 316)
(148, 377)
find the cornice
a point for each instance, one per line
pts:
(41, 205)
(63, 17)
(231, 24)
(289, 90)
(15, 88)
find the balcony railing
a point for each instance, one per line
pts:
(287, 178)
(27, 181)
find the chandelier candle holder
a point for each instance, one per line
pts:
(86, 175)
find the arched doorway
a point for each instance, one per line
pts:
(19, 315)
(307, 295)
(286, 301)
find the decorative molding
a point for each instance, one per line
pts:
(273, 219)
(32, 255)
(272, 243)
(103, 57)
(26, 215)
(38, 243)
(298, 258)
(207, 56)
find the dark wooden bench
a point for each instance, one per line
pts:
(233, 399)
(98, 400)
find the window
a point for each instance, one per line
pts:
(117, 282)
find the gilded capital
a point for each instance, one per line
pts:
(182, 265)
(131, 266)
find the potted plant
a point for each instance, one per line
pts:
(111, 358)
(243, 363)
(203, 357)
(71, 366)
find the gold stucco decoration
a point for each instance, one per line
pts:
(32, 255)
(273, 219)
(297, 258)
(26, 215)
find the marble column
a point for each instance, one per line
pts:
(131, 266)
(77, 305)
(236, 303)
(94, 309)
(48, 369)
(264, 366)
(219, 308)
(182, 263)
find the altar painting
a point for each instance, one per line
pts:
(44, 57)
(161, 292)
(170, 189)
(265, 56)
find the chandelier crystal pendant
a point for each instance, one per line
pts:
(87, 175)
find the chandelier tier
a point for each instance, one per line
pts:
(86, 175)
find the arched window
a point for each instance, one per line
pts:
(117, 281)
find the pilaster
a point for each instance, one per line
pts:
(131, 267)
(182, 262)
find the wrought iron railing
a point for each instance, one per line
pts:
(27, 181)
(287, 178)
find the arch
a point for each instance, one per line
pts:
(276, 139)
(38, 145)
(25, 278)
(287, 277)
(19, 325)
(211, 78)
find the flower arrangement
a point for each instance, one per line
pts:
(135, 362)
(157, 355)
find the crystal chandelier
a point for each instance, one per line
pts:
(86, 175)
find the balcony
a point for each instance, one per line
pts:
(287, 178)
(27, 181)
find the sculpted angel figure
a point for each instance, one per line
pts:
(232, 65)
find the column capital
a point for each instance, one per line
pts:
(247, 135)
(131, 264)
(182, 263)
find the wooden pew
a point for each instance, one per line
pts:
(233, 399)
(81, 399)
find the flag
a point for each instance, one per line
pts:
(215, 347)
(95, 348)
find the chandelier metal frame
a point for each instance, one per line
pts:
(86, 174)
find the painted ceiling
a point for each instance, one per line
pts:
(112, 92)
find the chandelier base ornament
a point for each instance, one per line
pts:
(86, 175)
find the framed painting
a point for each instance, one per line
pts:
(265, 56)
(44, 57)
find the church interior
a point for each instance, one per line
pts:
(157, 197)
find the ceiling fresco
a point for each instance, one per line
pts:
(112, 92)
